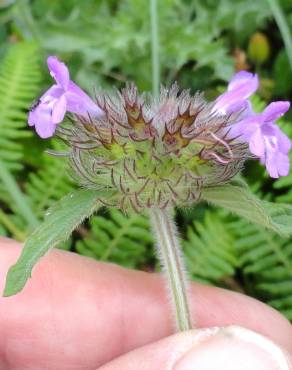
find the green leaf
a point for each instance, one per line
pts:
(239, 199)
(60, 221)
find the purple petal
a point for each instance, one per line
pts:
(283, 164)
(240, 88)
(54, 91)
(45, 130)
(32, 118)
(58, 71)
(38, 114)
(275, 110)
(246, 127)
(80, 103)
(228, 102)
(59, 110)
(277, 164)
(272, 165)
(244, 79)
(41, 118)
(282, 140)
(257, 144)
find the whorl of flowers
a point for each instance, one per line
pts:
(162, 151)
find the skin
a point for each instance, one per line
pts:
(76, 313)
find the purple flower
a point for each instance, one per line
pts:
(265, 138)
(63, 96)
(242, 85)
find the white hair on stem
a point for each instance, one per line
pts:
(169, 253)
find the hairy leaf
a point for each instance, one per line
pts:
(60, 221)
(239, 199)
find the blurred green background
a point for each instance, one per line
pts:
(105, 43)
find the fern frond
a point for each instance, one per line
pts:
(123, 239)
(50, 183)
(19, 84)
(266, 261)
(221, 245)
(209, 251)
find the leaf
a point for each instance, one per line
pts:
(238, 198)
(61, 220)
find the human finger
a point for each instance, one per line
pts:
(231, 348)
(80, 312)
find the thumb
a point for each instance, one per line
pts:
(231, 348)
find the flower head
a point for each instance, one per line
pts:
(240, 88)
(153, 152)
(265, 138)
(63, 96)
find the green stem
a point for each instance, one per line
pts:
(154, 48)
(17, 197)
(165, 229)
(13, 229)
(283, 27)
(172, 263)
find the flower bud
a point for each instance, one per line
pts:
(259, 48)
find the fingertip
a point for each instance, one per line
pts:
(235, 348)
(230, 348)
(222, 307)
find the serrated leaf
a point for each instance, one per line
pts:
(60, 221)
(239, 199)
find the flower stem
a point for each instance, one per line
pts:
(172, 263)
(154, 48)
(283, 27)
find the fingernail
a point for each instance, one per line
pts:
(234, 348)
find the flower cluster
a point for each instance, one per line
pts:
(160, 151)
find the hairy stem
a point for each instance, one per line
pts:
(283, 27)
(172, 263)
(154, 48)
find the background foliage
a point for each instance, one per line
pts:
(106, 43)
